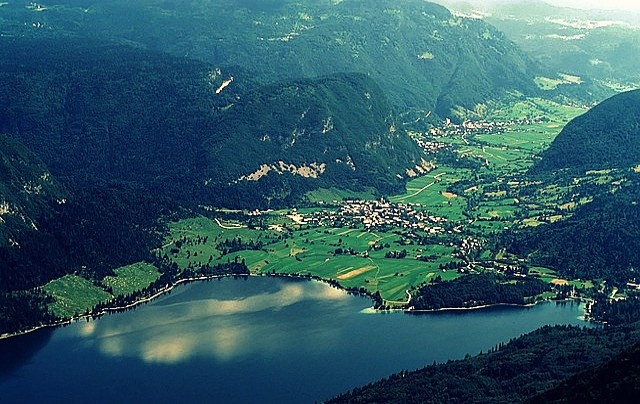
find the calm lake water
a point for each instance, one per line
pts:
(254, 340)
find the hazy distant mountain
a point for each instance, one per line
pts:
(421, 55)
(602, 45)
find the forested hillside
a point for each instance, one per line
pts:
(47, 230)
(601, 240)
(616, 381)
(479, 290)
(607, 136)
(177, 127)
(27, 189)
(515, 372)
(422, 56)
(287, 138)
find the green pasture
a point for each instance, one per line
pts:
(74, 295)
(527, 139)
(430, 192)
(533, 109)
(131, 278)
(313, 251)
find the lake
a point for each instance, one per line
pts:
(260, 339)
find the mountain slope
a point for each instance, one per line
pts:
(100, 112)
(27, 189)
(607, 136)
(512, 373)
(600, 241)
(421, 55)
(616, 381)
(592, 54)
(336, 130)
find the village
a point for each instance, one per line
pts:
(375, 215)
(470, 128)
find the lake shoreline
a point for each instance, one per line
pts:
(166, 290)
(330, 282)
(484, 306)
(488, 306)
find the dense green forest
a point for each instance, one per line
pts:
(608, 245)
(511, 373)
(27, 189)
(617, 312)
(422, 56)
(21, 310)
(96, 230)
(478, 290)
(115, 113)
(616, 381)
(607, 136)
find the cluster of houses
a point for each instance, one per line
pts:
(469, 246)
(378, 214)
(469, 128)
(430, 146)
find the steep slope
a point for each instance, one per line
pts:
(421, 55)
(27, 189)
(607, 136)
(512, 373)
(100, 112)
(597, 44)
(616, 381)
(592, 53)
(334, 131)
(47, 230)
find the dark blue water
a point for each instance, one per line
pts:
(254, 340)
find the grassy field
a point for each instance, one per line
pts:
(430, 192)
(131, 278)
(550, 276)
(74, 295)
(313, 251)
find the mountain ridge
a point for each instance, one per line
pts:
(422, 56)
(190, 130)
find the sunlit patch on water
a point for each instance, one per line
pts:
(215, 328)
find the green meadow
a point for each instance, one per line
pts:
(74, 295)
(313, 251)
(131, 278)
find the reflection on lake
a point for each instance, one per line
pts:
(256, 339)
(217, 328)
